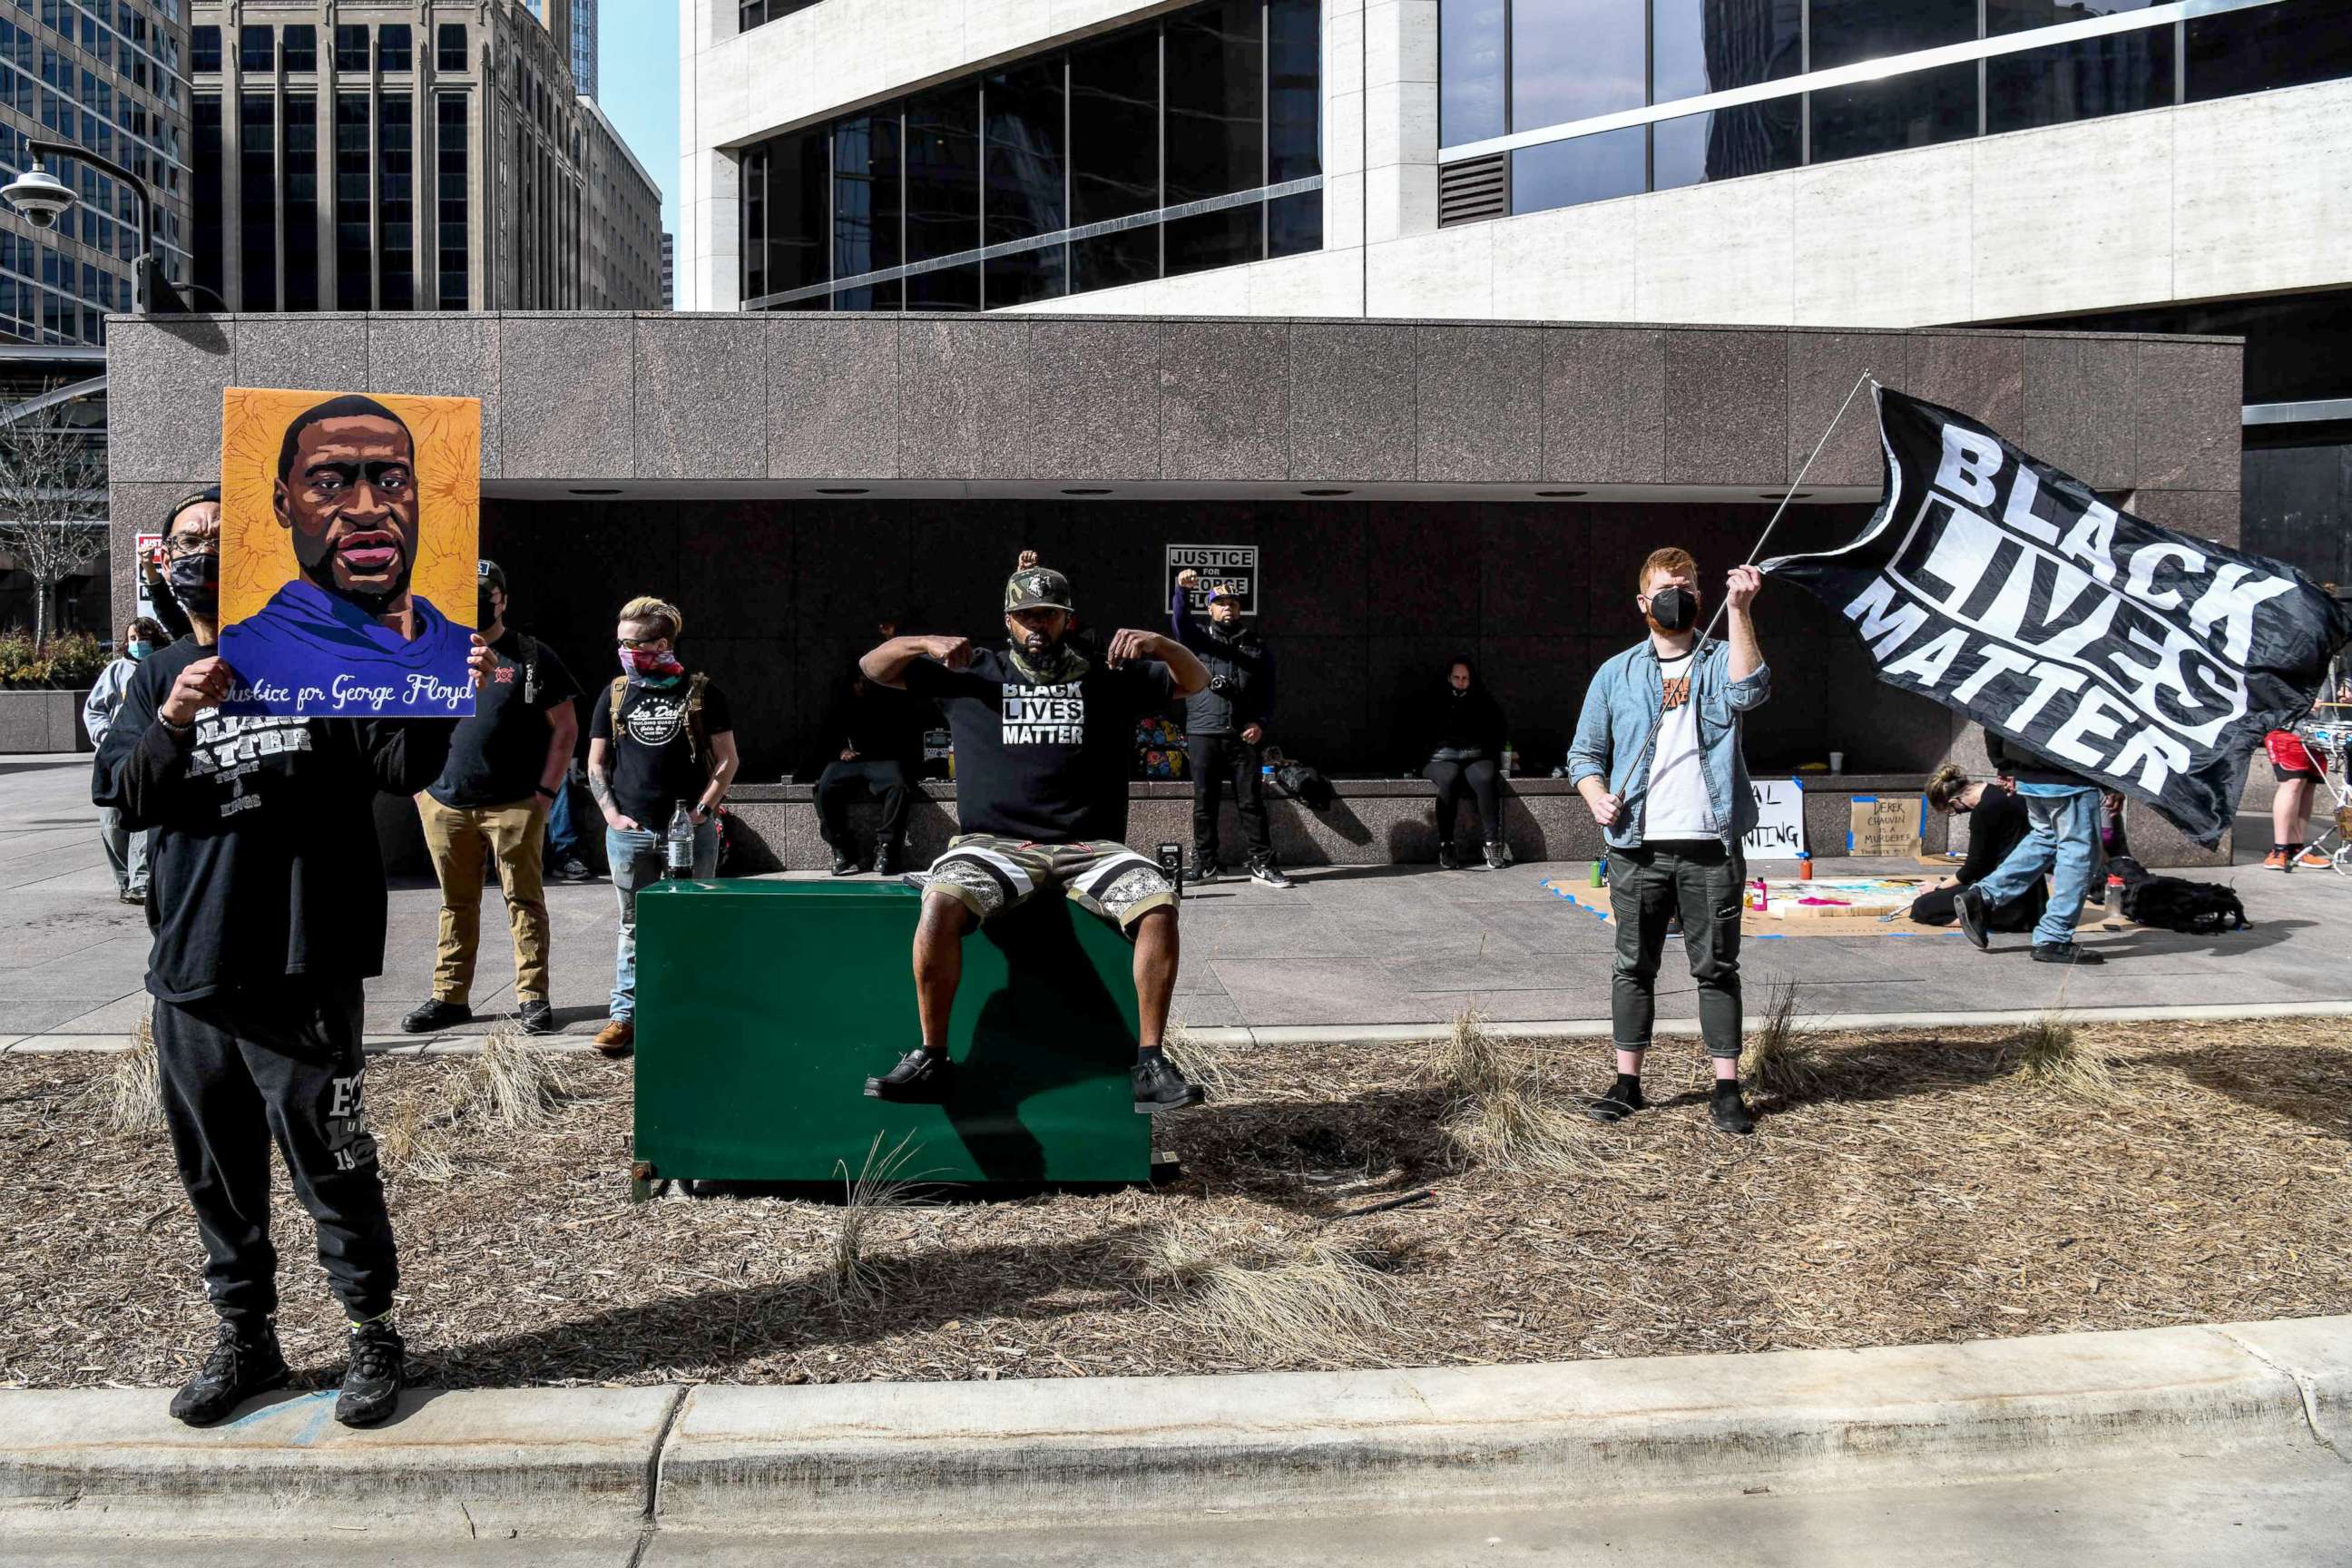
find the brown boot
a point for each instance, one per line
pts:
(617, 1038)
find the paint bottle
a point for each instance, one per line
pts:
(1763, 898)
(1804, 866)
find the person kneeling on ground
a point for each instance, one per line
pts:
(267, 911)
(659, 738)
(1043, 736)
(1657, 759)
(2063, 843)
(1462, 735)
(1998, 824)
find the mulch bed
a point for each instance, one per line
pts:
(1927, 1191)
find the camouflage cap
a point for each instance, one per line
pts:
(1037, 588)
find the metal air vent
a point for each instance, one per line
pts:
(1473, 190)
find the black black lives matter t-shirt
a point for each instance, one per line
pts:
(498, 756)
(654, 765)
(263, 865)
(1046, 763)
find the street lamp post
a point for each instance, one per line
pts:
(44, 198)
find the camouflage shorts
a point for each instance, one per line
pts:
(988, 874)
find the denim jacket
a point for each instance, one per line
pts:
(1619, 709)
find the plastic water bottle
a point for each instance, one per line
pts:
(1510, 760)
(677, 849)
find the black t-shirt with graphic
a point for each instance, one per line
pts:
(498, 755)
(263, 864)
(1043, 762)
(654, 765)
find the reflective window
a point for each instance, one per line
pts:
(1470, 104)
(257, 226)
(205, 123)
(1115, 158)
(1025, 182)
(449, 48)
(793, 170)
(204, 49)
(1571, 59)
(1294, 80)
(2081, 80)
(256, 49)
(1586, 169)
(865, 205)
(2003, 17)
(396, 201)
(943, 178)
(452, 194)
(355, 205)
(1847, 31)
(301, 46)
(393, 50)
(1215, 134)
(1704, 45)
(1914, 110)
(757, 12)
(2271, 45)
(351, 49)
(301, 188)
(1754, 138)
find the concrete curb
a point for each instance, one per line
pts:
(1411, 1033)
(883, 1457)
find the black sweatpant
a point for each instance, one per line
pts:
(1700, 880)
(1216, 759)
(845, 784)
(1938, 907)
(244, 1069)
(1474, 779)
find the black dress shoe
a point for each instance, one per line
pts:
(537, 1019)
(886, 862)
(243, 1362)
(428, 1016)
(1158, 1087)
(379, 1369)
(925, 1076)
(2065, 952)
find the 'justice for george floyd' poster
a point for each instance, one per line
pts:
(349, 538)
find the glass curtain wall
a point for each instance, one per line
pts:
(1510, 66)
(1068, 171)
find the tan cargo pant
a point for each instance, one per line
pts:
(517, 837)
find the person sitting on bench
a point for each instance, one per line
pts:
(1043, 734)
(1998, 823)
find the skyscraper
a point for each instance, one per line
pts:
(314, 122)
(107, 75)
(584, 47)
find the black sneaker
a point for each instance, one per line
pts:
(1206, 872)
(1969, 906)
(537, 1019)
(1447, 861)
(132, 895)
(372, 1386)
(924, 1077)
(844, 864)
(1729, 1112)
(573, 869)
(435, 1015)
(242, 1364)
(1620, 1101)
(1498, 855)
(886, 862)
(1267, 872)
(2065, 952)
(1160, 1086)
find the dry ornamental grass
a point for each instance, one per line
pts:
(1926, 1187)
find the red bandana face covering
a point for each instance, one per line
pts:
(651, 664)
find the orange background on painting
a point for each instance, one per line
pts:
(257, 552)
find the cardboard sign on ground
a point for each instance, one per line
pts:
(1887, 824)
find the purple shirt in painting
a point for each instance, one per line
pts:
(308, 652)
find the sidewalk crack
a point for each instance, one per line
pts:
(2302, 1387)
(652, 1525)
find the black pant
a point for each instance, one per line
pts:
(1216, 758)
(1474, 778)
(1700, 880)
(1936, 908)
(244, 1069)
(844, 785)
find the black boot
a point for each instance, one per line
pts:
(244, 1362)
(885, 860)
(1620, 1100)
(925, 1076)
(1498, 854)
(1447, 861)
(845, 861)
(427, 1017)
(379, 1370)
(1729, 1110)
(1160, 1086)
(1969, 905)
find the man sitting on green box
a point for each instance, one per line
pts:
(1043, 734)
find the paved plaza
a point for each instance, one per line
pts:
(1352, 945)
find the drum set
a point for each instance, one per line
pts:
(2327, 734)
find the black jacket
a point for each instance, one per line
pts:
(1472, 722)
(2014, 760)
(1241, 673)
(882, 724)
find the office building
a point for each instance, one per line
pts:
(668, 281)
(316, 124)
(625, 260)
(584, 47)
(107, 75)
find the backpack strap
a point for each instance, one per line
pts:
(620, 691)
(529, 645)
(694, 685)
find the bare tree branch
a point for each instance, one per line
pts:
(53, 503)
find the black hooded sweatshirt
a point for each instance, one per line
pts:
(1471, 720)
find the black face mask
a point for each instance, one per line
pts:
(1673, 608)
(487, 612)
(194, 580)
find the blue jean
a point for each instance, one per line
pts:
(563, 833)
(2064, 843)
(636, 862)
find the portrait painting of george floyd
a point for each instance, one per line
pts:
(349, 539)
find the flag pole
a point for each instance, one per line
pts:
(1865, 378)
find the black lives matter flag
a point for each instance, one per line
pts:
(2141, 657)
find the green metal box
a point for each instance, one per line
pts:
(763, 1006)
